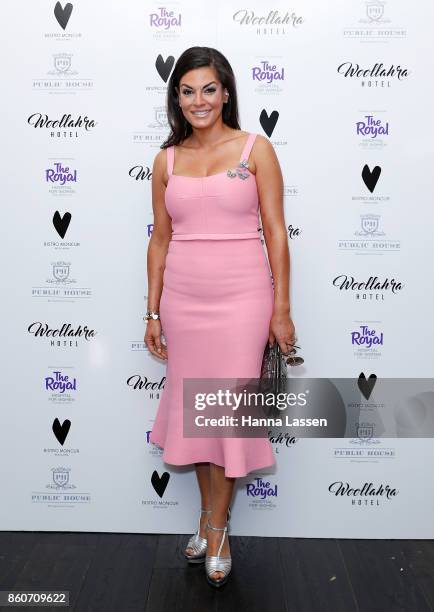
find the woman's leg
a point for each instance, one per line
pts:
(221, 495)
(204, 481)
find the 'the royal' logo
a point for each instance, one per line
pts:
(261, 489)
(372, 127)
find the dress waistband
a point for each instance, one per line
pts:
(215, 236)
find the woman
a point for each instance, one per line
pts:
(209, 283)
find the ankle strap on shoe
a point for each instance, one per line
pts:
(225, 529)
(217, 528)
(202, 510)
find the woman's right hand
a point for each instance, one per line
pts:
(153, 339)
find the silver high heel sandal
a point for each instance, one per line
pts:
(217, 563)
(198, 545)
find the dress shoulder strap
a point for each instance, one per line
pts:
(248, 146)
(170, 153)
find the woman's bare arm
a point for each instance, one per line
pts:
(270, 189)
(161, 233)
(157, 251)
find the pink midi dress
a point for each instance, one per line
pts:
(215, 307)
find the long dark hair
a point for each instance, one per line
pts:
(197, 57)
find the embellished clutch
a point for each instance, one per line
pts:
(274, 375)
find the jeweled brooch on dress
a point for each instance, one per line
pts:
(238, 172)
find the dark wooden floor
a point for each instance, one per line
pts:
(119, 572)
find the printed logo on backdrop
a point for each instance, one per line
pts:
(261, 493)
(165, 24)
(366, 341)
(141, 173)
(62, 64)
(60, 480)
(61, 491)
(268, 77)
(61, 179)
(159, 483)
(366, 385)
(58, 287)
(60, 274)
(67, 127)
(370, 177)
(61, 225)
(63, 13)
(364, 447)
(372, 289)
(372, 132)
(152, 388)
(370, 238)
(159, 486)
(281, 440)
(364, 444)
(153, 449)
(366, 494)
(66, 336)
(60, 386)
(369, 226)
(377, 75)
(60, 21)
(60, 432)
(363, 423)
(271, 23)
(62, 77)
(268, 121)
(371, 180)
(163, 68)
(373, 25)
(156, 129)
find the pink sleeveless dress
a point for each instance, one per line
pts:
(215, 308)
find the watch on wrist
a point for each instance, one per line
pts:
(151, 314)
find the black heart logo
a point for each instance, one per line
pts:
(159, 482)
(164, 68)
(268, 123)
(366, 386)
(370, 178)
(61, 223)
(62, 14)
(61, 431)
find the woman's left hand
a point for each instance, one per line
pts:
(282, 329)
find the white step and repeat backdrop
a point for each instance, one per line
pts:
(344, 91)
